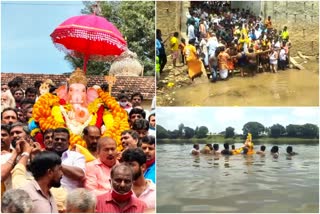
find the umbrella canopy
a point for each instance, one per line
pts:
(90, 37)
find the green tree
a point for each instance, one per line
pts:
(202, 132)
(135, 20)
(310, 130)
(229, 132)
(277, 130)
(162, 132)
(255, 128)
(174, 134)
(294, 130)
(188, 132)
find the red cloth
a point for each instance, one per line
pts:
(105, 204)
(100, 116)
(39, 138)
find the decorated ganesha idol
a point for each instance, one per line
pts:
(76, 107)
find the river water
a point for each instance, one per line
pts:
(291, 87)
(186, 183)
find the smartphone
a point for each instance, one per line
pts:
(14, 143)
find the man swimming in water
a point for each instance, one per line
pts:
(196, 149)
(290, 151)
(275, 151)
(262, 150)
(216, 149)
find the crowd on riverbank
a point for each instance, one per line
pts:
(223, 41)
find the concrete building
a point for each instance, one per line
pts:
(301, 18)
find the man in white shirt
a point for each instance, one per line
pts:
(73, 163)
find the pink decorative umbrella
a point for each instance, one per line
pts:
(90, 37)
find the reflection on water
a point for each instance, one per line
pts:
(286, 88)
(238, 183)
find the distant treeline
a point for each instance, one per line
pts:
(308, 131)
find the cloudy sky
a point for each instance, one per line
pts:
(217, 119)
(26, 45)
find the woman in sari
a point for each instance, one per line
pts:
(195, 65)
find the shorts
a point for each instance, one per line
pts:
(223, 73)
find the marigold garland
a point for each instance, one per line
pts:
(120, 118)
(46, 113)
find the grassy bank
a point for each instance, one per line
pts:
(221, 139)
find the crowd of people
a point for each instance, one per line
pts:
(246, 149)
(222, 40)
(46, 174)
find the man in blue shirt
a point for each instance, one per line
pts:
(148, 147)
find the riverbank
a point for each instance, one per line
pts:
(221, 139)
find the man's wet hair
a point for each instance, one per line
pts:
(289, 149)
(263, 148)
(274, 149)
(216, 147)
(196, 145)
(233, 146)
(226, 146)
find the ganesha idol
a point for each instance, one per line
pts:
(74, 107)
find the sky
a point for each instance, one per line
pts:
(217, 119)
(26, 45)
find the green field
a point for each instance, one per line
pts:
(221, 139)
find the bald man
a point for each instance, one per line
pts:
(91, 134)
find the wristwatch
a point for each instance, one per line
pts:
(25, 154)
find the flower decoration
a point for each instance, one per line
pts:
(49, 109)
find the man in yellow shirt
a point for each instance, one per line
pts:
(285, 34)
(174, 41)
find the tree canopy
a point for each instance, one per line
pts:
(135, 20)
(255, 128)
(229, 133)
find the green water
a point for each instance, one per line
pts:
(251, 184)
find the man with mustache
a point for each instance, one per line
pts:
(98, 171)
(144, 189)
(148, 146)
(120, 199)
(47, 172)
(73, 163)
(9, 116)
(91, 135)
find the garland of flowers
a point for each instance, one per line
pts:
(119, 120)
(46, 113)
